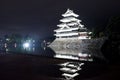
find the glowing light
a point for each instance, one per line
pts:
(7, 39)
(70, 76)
(26, 45)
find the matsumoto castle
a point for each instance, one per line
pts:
(73, 40)
(71, 27)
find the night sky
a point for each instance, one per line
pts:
(40, 17)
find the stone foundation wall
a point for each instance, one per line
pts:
(74, 46)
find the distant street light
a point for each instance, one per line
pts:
(26, 45)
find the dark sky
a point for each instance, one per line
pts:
(40, 17)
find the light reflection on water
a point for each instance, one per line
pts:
(70, 69)
(25, 47)
(66, 71)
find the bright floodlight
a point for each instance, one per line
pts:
(26, 45)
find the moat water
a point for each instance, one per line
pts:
(39, 63)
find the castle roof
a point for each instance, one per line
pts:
(69, 13)
(67, 34)
(65, 30)
(69, 19)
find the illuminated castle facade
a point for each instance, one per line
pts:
(73, 41)
(71, 27)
